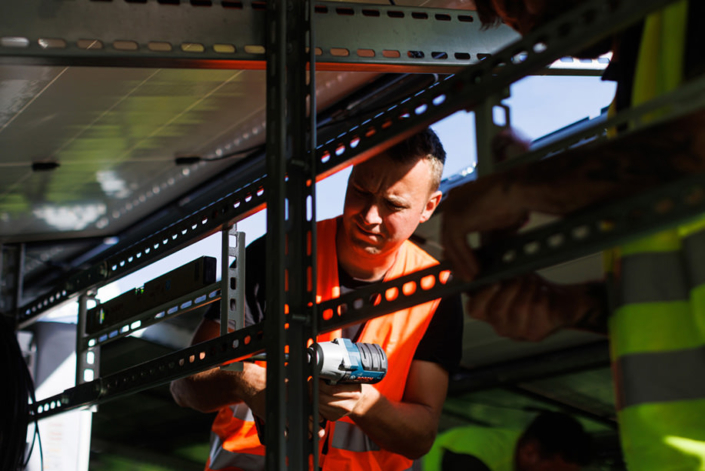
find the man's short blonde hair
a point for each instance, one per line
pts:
(422, 145)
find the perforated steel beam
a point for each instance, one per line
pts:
(233, 346)
(230, 34)
(289, 320)
(590, 232)
(558, 242)
(545, 365)
(11, 269)
(578, 28)
(473, 85)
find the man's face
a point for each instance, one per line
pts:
(384, 203)
(530, 458)
(525, 15)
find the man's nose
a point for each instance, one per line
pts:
(371, 214)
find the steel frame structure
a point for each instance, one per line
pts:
(294, 162)
(231, 34)
(291, 234)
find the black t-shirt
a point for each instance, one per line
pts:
(442, 342)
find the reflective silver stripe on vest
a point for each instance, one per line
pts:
(694, 248)
(653, 277)
(242, 412)
(350, 437)
(662, 377)
(220, 458)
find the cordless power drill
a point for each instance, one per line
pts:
(342, 361)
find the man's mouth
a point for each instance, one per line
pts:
(372, 235)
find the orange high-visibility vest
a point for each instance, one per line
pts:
(234, 441)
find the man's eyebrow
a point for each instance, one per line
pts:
(357, 185)
(400, 200)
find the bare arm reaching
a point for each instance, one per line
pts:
(407, 427)
(531, 308)
(212, 389)
(570, 182)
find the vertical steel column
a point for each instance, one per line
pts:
(87, 354)
(5, 301)
(290, 235)
(232, 284)
(19, 280)
(300, 236)
(11, 264)
(486, 129)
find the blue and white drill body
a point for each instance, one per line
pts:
(342, 361)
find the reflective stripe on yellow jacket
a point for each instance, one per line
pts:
(234, 441)
(493, 446)
(657, 331)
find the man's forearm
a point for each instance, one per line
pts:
(582, 177)
(405, 428)
(213, 389)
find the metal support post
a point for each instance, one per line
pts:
(275, 426)
(19, 280)
(11, 258)
(232, 285)
(301, 238)
(291, 238)
(486, 128)
(87, 354)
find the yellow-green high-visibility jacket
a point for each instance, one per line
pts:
(494, 447)
(657, 331)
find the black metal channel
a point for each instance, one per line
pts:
(564, 240)
(576, 29)
(601, 228)
(233, 346)
(570, 32)
(290, 225)
(200, 224)
(139, 321)
(533, 368)
(681, 101)
(607, 417)
(277, 146)
(300, 237)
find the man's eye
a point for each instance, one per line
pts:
(394, 206)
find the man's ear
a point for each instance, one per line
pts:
(431, 205)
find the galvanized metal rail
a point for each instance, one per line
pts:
(231, 35)
(577, 29)
(558, 242)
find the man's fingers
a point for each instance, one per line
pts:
(501, 310)
(339, 389)
(525, 315)
(338, 400)
(478, 304)
(334, 410)
(320, 427)
(457, 250)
